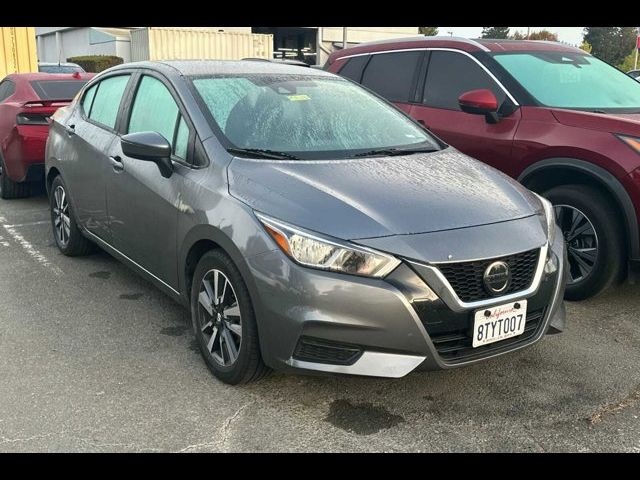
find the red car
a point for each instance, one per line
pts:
(27, 100)
(562, 122)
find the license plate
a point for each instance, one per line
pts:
(499, 323)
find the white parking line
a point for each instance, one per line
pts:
(30, 249)
(42, 222)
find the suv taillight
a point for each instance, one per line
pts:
(32, 119)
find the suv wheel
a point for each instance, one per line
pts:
(593, 234)
(68, 237)
(224, 322)
(9, 188)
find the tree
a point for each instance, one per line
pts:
(428, 31)
(543, 35)
(586, 46)
(539, 35)
(629, 62)
(611, 44)
(495, 32)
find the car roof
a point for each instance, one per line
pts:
(213, 67)
(464, 44)
(62, 64)
(29, 77)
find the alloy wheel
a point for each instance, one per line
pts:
(220, 318)
(61, 219)
(581, 240)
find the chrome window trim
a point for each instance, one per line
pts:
(371, 364)
(441, 286)
(99, 240)
(443, 49)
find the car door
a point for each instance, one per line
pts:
(449, 74)
(142, 204)
(90, 132)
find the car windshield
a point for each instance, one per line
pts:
(308, 117)
(57, 89)
(573, 81)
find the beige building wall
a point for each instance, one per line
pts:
(335, 35)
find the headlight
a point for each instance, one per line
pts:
(550, 218)
(311, 250)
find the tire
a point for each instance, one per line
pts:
(608, 260)
(10, 189)
(236, 324)
(70, 240)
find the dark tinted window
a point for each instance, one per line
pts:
(391, 75)
(59, 68)
(7, 88)
(107, 100)
(353, 68)
(57, 89)
(451, 74)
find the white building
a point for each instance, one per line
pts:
(56, 44)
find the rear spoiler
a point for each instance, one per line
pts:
(47, 103)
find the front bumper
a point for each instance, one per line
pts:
(321, 321)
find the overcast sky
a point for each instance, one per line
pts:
(572, 35)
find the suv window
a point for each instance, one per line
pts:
(391, 75)
(352, 69)
(106, 101)
(450, 75)
(7, 88)
(155, 110)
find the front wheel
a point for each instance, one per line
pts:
(10, 189)
(223, 320)
(590, 224)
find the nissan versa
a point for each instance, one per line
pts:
(308, 223)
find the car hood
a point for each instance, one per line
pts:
(625, 123)
(381, 196)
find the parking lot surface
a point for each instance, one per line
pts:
(93, 358)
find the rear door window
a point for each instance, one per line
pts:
(451, 74)
(392, 75)
(352, 69)
(106, 101)
(57, 89)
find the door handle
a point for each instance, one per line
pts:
(116, 163)
(70, 129)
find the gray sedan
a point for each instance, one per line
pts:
(307, 223)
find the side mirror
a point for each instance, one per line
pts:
(480, 102)
(151, 147)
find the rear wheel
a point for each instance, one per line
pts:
(590, 224)
(10, 189)
(224, 322)
(68, 237)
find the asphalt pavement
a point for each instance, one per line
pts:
(94, 358)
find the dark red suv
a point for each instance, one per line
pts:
(562, 122)
(27, 100)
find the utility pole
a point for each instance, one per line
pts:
(528, 29)
(344, 37)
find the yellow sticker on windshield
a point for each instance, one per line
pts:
(298, 98)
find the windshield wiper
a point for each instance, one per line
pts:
(262, 153)
(395, 151)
